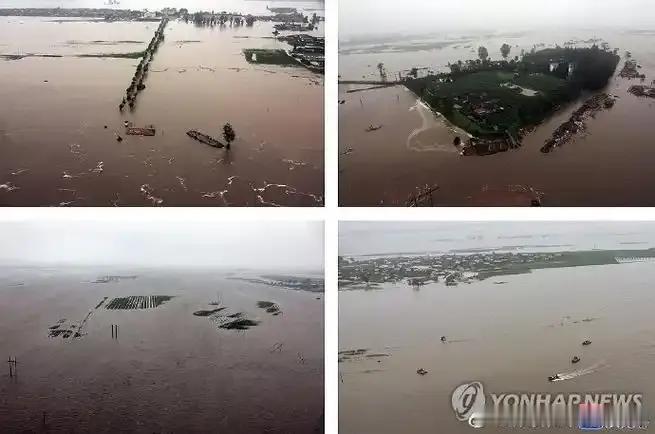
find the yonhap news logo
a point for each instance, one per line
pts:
(585, 411)
(469, 402)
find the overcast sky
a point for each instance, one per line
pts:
(357, 17)
(366, 238)
(266, 244)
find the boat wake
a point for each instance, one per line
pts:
(580, 372)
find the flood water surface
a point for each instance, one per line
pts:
(167, 370)
(60, 119)
(508, 332)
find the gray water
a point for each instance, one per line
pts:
(168, 371)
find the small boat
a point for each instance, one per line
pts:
(575, 359)
(586, 343)
(553, 377)
(443, 339)
(373, 128)
(421, 371)
(204, 138)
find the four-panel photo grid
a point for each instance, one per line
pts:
(327, 216)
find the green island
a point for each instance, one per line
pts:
(454, 268)
(497, 102)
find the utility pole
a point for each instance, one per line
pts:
(12, 367)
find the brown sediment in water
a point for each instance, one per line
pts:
(174, 102)
(518, 351)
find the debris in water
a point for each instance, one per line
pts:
(99, 167)
(148, 192)
(8, 187)
(75, 149)
(293, 164)
(182, 183)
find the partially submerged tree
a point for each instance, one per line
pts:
(483, 54)
(504, 50)
(383, 71)
(228, 134)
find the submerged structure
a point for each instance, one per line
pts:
(135, 302)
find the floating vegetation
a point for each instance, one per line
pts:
(208, 312)
(135, 302)
(270, 307)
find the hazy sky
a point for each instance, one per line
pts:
(357, 17)
(362, 238)
(266, 244)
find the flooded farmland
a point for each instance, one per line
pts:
(60, 121)
(405, 347)
(607, 165)
(138, 357)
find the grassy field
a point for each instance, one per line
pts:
(491, 98)
(268, 57)
(509, 106)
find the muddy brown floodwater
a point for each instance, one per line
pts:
(607, 166)
(168, 370)
(55, 149)
(510, 333)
